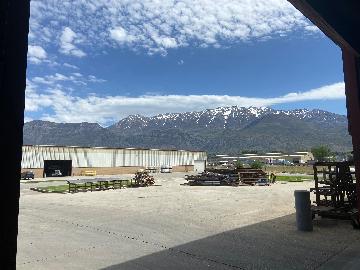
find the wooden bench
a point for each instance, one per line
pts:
(90, 185)
(95, 184)
(103, 184)
(88, 173)
(75, 186)
(117, 183)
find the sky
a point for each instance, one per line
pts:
(100, 61)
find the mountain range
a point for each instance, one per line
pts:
(225, 129)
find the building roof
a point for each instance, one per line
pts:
(103, 147)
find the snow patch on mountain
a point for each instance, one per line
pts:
(222, 117)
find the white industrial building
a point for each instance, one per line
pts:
(72, 160)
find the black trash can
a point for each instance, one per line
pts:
(303, 210)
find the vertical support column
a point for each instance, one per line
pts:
(352, 90)
(14, 28)
(316, 179)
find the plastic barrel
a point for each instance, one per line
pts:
(303, 210)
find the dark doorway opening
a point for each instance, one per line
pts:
(57, 168)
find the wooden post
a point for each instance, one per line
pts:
(352, 90)
(316, 179)
(14, 28)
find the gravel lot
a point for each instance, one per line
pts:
(172, 226)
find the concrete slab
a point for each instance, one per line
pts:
(347, 259)
(175, 227)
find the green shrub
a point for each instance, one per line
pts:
(239, 165)
(257, 165)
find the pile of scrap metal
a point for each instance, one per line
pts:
(228, 177)
(142, 179)
(335, 191)
(212, 179)
(252, 176)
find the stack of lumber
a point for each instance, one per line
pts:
(226, 177)
(143, 179)
(246, 176)
(212, 179)
(251, 176)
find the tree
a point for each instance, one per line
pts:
(321, 153)
(256, 164)
(238, 164)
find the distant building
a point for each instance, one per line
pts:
(269, 158)
(300, 157)
(72, 160)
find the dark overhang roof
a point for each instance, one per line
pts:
(338, 19)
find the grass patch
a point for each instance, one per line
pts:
(41, 181)
(291, 178)
(53, 189)
(303, 169)
(65, 188)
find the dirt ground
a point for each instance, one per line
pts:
(172, 226)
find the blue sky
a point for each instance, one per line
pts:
(99, 61)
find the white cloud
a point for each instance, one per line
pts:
(70, 66)
(67, 40)
(108, 109)
(312, 28)
(33, 100)
(157, 26)
(94, 79)
(36, 54)
(121, 35)
(51, 79)
(75, 77)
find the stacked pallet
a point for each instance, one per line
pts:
(335, 192)
(251, 176)
(337, 188)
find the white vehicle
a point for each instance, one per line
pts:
(56, 173)
(166, 169)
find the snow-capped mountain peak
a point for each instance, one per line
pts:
(222, 117)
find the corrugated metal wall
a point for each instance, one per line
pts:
(34, 156)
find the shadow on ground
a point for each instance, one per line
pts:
(273, 244)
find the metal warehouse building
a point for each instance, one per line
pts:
(72, 160)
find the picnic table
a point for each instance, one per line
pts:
(95, 184)
(117, 183)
